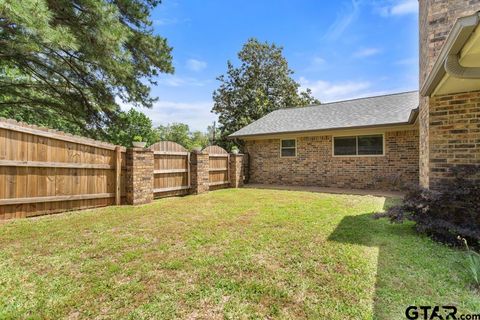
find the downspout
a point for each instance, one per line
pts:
(456, 70)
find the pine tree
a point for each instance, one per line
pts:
(75, 60)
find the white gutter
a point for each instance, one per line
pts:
(458, 37)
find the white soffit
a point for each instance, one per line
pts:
(469, 57)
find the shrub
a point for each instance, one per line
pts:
(473, 263)
(444, 214)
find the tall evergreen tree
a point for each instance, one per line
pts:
(261, 84)
(72, 59)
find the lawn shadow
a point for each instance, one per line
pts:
(364, 230)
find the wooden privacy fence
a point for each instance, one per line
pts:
(219, 166)
(171, 169)
(45, 171)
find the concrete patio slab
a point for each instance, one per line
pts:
(378, 193)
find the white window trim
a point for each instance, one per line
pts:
(280, 153)
(358, 155)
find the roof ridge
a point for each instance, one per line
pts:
(347, 100)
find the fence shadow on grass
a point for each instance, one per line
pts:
(364, 230)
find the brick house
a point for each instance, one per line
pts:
(385, 142)
(369, 143)
(449, 119)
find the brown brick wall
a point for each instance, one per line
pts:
(454, 135)
(139, 177)
(435, 22)
(199, 172)
(314, 164)
(236, 170)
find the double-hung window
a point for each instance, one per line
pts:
(366, 145)
(288, 148)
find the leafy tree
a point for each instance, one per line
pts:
(199, 138)
(176, 132)
(71, 59)
(44, 117)
(181, 134)
(261, 84)
(130, 124)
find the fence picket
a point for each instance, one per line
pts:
(44, 171)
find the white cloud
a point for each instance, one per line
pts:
(344, 20)
(316, 64)
(327, 91)
(196, 65)
(196, 114)
(366, 52)
(318, 61)
(400, 7)
(405, 7)
(178, 81)
(168, 21)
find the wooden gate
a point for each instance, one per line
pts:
(171, 169)
(219, 167)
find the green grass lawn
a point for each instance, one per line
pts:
(228, 254)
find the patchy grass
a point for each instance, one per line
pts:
(228, 254)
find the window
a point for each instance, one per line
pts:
(371, 145)
(345, 146)
(288, 148)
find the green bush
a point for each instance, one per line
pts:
(447, 213)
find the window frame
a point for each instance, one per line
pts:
(356, 147)
(295, 148)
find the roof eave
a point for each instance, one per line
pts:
(458, 37)
(413, 116)
(411, 121)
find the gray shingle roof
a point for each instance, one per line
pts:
(373, 111)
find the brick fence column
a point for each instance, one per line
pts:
(246, 167)
(199, 166)
(139, 177)
(236, 170)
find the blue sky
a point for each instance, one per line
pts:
(340, 49)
